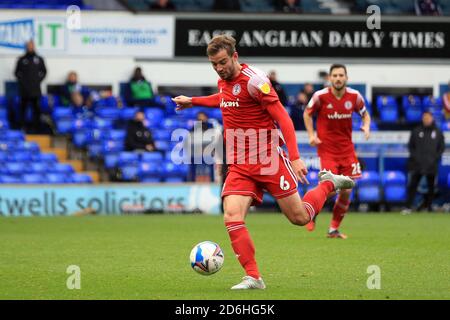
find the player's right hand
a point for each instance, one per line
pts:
(182, 102)
(314, 141)
(300, 170)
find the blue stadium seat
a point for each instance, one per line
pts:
(174, 179)
(393, 177)
(152, 157)
(32, 178)
(369, 193)
(64, 126)
(445, 126)
(80, 178)
(39, 167)
(95, 150)
(7, 179)
(389, 114)
(112, 146)
(369, 178)
(102, 124)
(413, 114)
(49, 158)
(20, 156)
(129, 172)
(15, 168)
(62, 113)
(56, 178)
(14, 135)
(116, 135)
(108, 113)
(162, 145)
(63, 168)
(4, 125)
(154, 117)
(394, 185)
(430, 102)
(3, 114)
(173, 123)
(127, 157)
(110, 160)
(173, 170)
(411, 101)
(82, 124)
(161, 134)
(149, 170)
(81, 138)
(128, 113)
(386, 101)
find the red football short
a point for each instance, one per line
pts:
(252, 179)
(348, 166)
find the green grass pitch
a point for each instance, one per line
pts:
(147, 257)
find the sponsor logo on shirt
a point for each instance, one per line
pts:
(348, 105)
(339, 116)
(227, 104)
(264, 87)
(329, 106)
(236, 89)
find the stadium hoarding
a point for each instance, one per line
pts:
(95, 34)
(305, 36)
(112, 199)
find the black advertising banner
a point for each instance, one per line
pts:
(317, 38)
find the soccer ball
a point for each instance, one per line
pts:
(207, 258)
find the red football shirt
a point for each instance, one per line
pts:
(334, 120)
(243, 101)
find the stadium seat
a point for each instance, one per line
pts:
(369, 178)
(63, 168)
(110, 160)
(162, 145)
(386, 101)
(7, 179)
(154, 117)
(434, 103)
(49, 158)
(161, 134)
(102, 124)
(116, 135)
(389, 114)
(15, 168)
(149, 170)
(394, 185)
(108, 113)
(4, 125)
(81, 138)
(174, 180)
(127, 157)
(411, 101)
(95, 150)
(129, 172)
(80, 178)
(112, 146)
(152, 157)
(64, 126)
(413, 114)
(56, 178)
(20, 156)
(38, 167)
(14, 135)
(62, 113)
(32, 178)
(445, 126)
(128, 113)
(369, 193)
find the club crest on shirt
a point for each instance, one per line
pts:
(348, 105)
(236, 89)
(264, 87)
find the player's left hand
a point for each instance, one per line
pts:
(366, 131)
(300, 170)
(182, 102)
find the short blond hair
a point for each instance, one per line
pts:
(219, 42)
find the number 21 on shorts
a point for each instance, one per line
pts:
(356, 168)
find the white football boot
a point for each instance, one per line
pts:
(339, 181)
(249, 283)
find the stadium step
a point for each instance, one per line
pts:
(44, 141)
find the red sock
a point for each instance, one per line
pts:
(243, 247)
(315, 198)
(339, 210)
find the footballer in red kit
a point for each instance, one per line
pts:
(252, 117)
(334, 107)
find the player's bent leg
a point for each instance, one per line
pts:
(339, 210)
(235, 210)
(294, 209)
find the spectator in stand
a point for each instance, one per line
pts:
(140, 91)
(139, 137)
(278, 88)
(162, 5)
(74, 94)
(428, 8)
(446, 102)
(226, 5)
(297, 110)
(324, 76)
(308, 89)
(30, 71)
(288, 6)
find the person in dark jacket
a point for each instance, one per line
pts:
(138, 135)
(30, 71)
(278, 88)
(426, 146)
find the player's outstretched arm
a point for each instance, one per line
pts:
(183, 102)
(279, 114)
(313, 139)
(366, 125)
